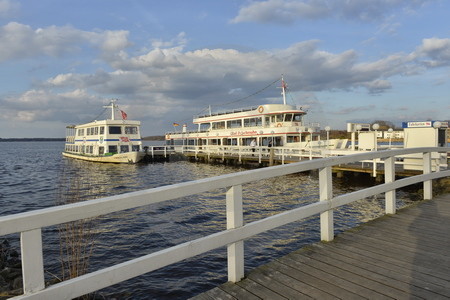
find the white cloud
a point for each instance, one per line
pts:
(168, 81)
(282, 11)
(8, 7)
(289, 11)
(21, 41)
(435, 52)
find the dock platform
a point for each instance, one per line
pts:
(401, 256)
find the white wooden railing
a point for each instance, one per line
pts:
(29, 224)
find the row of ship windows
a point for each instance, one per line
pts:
(264, 141)
(101, 150)
(254, 122)
(111, 130)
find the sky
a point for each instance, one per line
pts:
(166, 61)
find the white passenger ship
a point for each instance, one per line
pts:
(113, 140)
(270, 125)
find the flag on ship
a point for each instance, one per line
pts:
(124, 115)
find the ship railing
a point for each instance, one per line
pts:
(30, 224)
(226, 112)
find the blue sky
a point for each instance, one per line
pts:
(166, 61)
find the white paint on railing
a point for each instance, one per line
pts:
(326, 194)
(235, 219)
(389, 177)
(29, 224)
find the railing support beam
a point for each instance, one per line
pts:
(427, 185)
(389, 176)
(235, 219)
(326, 193)
(32, 261)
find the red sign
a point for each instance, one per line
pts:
(124, 139)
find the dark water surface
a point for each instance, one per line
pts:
(34, 175)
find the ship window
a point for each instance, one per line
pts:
(234, 124)
(80, 132)
(131, 130)
(102, 130)
(135, 148)
(297, 117)
(292, 139)
(95, 130)
(252, 122)
(115, 130)
(88, 131)
(288, 118)
(124, 148)
(218, 125)
(101, 150)
(204, 126)
(280, 118)
(112, 149)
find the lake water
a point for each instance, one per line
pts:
(34, 175)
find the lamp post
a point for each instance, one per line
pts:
(437, 124)
(327, 129)
(375, 127)
(390, 130)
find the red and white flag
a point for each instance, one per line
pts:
(124, 115)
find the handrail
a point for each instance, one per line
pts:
(30, 224)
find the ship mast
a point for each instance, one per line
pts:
(283, 89)
(112, 105)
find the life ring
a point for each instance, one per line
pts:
(260, 109)
(279, 125)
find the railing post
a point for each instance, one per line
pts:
(235, 219)
(259, 154)
(32, 261)
(389, 176)
(428, 184)
(325, 194)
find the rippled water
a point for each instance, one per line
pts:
(34, 175)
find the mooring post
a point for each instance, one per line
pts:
(326, 193)
(235, 219)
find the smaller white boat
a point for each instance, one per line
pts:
(112, 140)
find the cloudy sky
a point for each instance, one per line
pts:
(343, 60)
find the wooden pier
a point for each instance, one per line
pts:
(401, 256)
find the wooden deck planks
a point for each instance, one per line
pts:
(403, 256)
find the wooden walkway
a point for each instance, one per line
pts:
(402, 256)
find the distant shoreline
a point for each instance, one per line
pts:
(147, 138)
(32, 139)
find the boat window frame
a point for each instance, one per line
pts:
(253, 122)
(236, 123)
(126, 147)
(297, 117)
(218, 125)
(112, 147)
(114, 126)
(131, 130)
